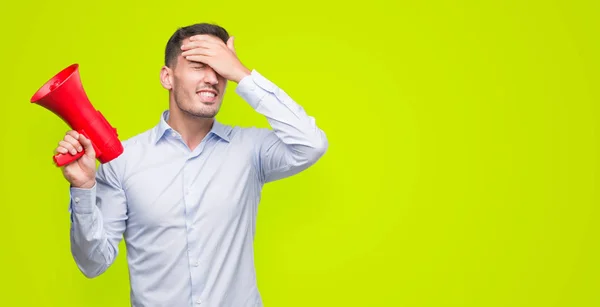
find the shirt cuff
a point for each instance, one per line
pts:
(254, 87)
(83, 200)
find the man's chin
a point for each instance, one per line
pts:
(206, 114)
(209, 113)
(202, 109)
(202, 113)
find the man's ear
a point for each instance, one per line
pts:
(166, 77)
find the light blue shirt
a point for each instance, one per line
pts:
(188, 217)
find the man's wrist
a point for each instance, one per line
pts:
(244, 72)
(87, 185)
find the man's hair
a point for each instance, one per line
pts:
(173, 49)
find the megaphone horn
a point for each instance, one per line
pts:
(64, 96)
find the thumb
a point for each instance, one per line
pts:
(230, 44)
(87, 146)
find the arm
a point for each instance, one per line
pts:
(98, 217)
(295, 143)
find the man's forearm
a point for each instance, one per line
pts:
(90, 246)
(300, 142)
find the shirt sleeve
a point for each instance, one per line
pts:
(98, 221)
(295, 141)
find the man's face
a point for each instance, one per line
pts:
(197, 89)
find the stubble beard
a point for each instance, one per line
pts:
(194, 107)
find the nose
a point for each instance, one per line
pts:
(210, 76)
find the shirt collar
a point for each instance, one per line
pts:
(163, 127)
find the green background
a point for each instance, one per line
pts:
(463, 160)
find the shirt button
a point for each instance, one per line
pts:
(199, 301)
(197, 263)
(76, 199)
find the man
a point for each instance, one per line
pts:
(184, 194)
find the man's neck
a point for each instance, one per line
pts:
(192, 129)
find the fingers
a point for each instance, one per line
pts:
(197, 44)
(205, 38)
(73, 133)
(68, 146)
(62, 148)
(199, 48)
(87, 145)
(199, 51)
(206, 45)
(198, 58)
(85, 142)
(70, 143)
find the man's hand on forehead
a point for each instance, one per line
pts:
(220, 56)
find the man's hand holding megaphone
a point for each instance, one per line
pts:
(91, 137)
(82, 172)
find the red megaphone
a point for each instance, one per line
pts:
(64, 96)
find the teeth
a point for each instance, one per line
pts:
(207, 94)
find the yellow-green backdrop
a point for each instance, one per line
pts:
(463, 160)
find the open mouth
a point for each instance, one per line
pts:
(207, 96)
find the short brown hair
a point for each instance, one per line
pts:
(173, 48)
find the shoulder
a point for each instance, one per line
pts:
(133, 147)
(139, 140)
(137, 144)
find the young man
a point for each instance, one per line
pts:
(184, 194)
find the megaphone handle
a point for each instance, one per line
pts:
(64, 159)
